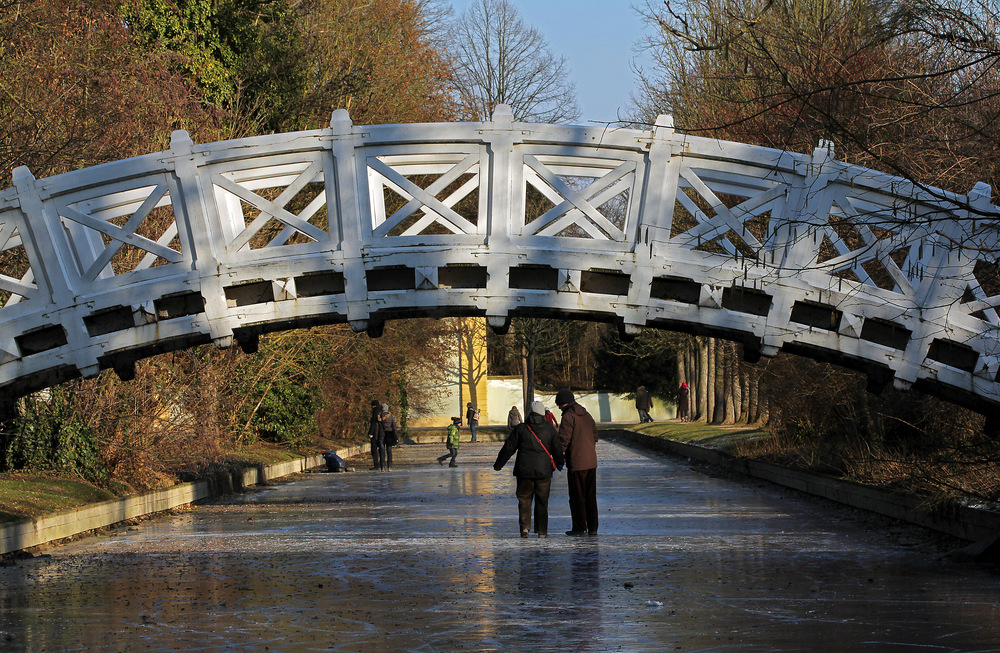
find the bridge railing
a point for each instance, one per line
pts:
(207, 243)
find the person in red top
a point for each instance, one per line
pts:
(578, 436)
(682, 402)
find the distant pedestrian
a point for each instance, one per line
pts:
(377, 436)
(538, 455)
(472, 417)
(513, 418)
(682, 402)
(551, 419)
(578, 436)
(643, 404)
(391, 429)
(452, 443)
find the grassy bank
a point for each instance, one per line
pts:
(26, 495)
(23, 495)
(726, 438)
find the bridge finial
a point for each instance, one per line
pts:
(503, 114)
(179, 138)
(664, 126)
(980, 194)
(21, 174)
(340, 122)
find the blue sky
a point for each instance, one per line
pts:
(598, 39)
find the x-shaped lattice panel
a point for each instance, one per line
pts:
(124, 231)
(411, 197)
(592, 205)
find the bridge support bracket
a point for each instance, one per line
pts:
(628, 332)
(499, 323)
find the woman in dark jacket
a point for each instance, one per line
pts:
(391, 430)
(377, 435)
(538, 453)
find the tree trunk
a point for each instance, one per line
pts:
(719, 383)
(732, 384)
(682, 372)
(703, 367)
(744, 371)
(753, 395)
(708, 382)
(527, 393)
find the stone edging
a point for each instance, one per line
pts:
(965, 523)
(26, 533)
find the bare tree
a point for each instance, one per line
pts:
(499, 59)
(470, 335)
(908, 87)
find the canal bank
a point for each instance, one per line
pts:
(968, 524)
(27, 533)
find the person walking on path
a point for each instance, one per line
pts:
(578, 436)
(452, 442)
(682, 402)
(391, 429)
(643, 404)
(538, 451)
(472, 417)
(513, 419)
(377, 436)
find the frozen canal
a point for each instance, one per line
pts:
(428, 558)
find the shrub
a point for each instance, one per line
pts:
(49, 435)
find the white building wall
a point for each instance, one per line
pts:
(505, 391)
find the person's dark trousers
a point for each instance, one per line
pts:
(537, 489)
(378, 451)
(451, 452)
(583, 499)
(388, 456)
(472, 427)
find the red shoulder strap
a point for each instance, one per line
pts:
(542, 446)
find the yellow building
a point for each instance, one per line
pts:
(467, 378)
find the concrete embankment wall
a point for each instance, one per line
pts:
(39, 530)
(965, 523)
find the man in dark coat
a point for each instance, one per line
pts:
(377, 436)
(643, 404)
(538, 454)
(578, 436)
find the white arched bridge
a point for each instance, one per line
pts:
(363, 224)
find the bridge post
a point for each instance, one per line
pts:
(659, 188)
(343, 145)
(812, 200)
(52, 264)
(195, 223)
(500, 140)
